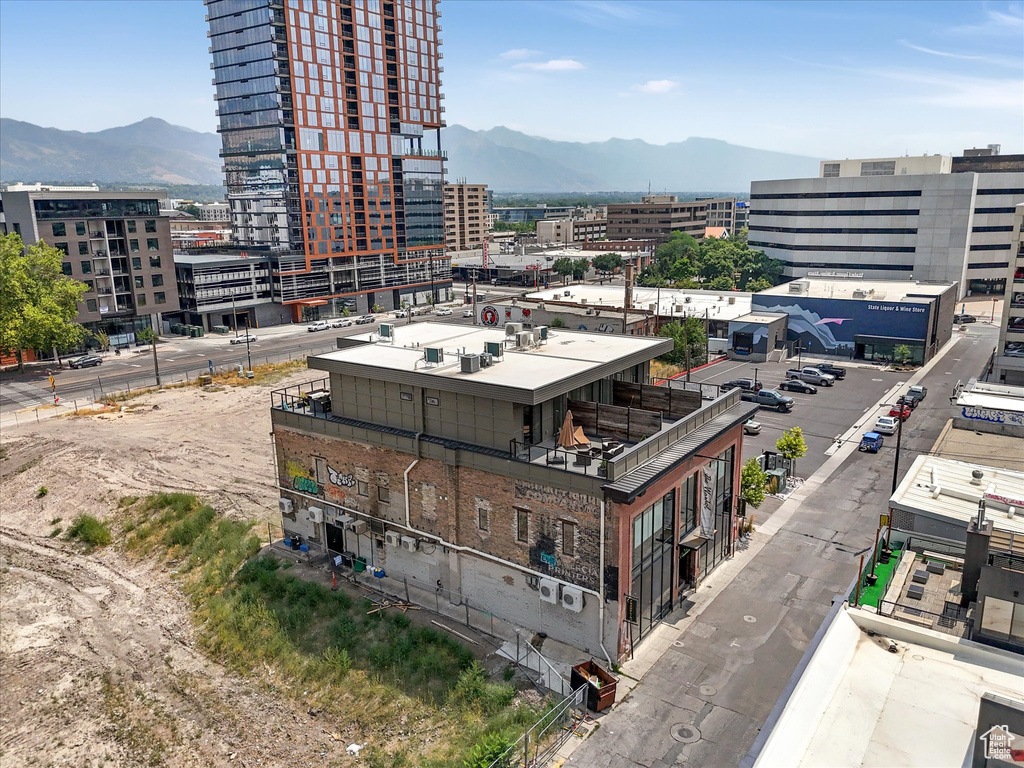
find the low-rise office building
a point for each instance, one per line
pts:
(225, 290)
(656, 217)
(567, 231)
(532, 473)
(117, 243)
(867, 320)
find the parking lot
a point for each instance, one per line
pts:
(823, 417)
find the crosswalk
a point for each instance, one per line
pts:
(25, 395)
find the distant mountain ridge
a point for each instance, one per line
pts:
(151, 150)
(155, 151)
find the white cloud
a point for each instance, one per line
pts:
(552, 65)
(944, 54)
(656, 86)
(518, 53)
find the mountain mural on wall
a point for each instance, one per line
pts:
(155, 151)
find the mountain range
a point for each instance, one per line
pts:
(154, 151)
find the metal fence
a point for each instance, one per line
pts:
(953, 622)
(539, 744)
(536, 666)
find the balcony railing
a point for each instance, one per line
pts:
(438, 154)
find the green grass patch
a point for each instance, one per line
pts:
(255, 615)
(90, 531)
(872, 595)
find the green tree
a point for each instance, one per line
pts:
(721, 283)
(101, 339)
(607, 262)
(753, 483)
(519, 227)
(760, 284)
(563, 266)
(579, 268)
(686, 334)
(38, 303)
(901, 353)
(792, 445)
(346, 311)
(191, 209)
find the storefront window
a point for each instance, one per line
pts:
(653, 534)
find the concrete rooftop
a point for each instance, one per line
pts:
(883, 290)
(671, 301)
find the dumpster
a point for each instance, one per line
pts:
(359, 565)
(600, 684)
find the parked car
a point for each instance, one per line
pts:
(917, 391)
(318, 326)
(811, 375)
(901, 412)
(1014, 349)
(364, 319)
(871, 442)
(835, 370)
(887, 425)
(467, 313)
(86, 361)
(751, 427)
(907, 400)
(795, 385)
(964, 318)
(341, 323)
(444, 312)
(747, 385)
(402, 313)
(244, 339)
(769, 398)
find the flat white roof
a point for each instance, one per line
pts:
(998, 397)
(857, 704)
(692, 303)
(946, 490)
(761, 317)
(877, 290)
(564, 355)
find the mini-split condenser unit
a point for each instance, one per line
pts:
(284, 506)
(392, 539)
(548, 589)
(344, 520)
(511, 329)
(410, 544)
(316, 515)
(572, 598)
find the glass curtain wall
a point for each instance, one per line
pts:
(653, 532)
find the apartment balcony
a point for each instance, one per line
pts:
(434, 154)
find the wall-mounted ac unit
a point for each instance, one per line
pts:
(284, 506)
(495, 349)
(572, 598)
(567, 293)
(548, 589)
(409, 544)
(392, 539)
(344, 520)
(358, 527)
(433, 354)
(470, 363)
(316, 514)
(523, 339)
(511, 329)
(387, 331)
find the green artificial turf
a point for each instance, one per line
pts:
(873, 595)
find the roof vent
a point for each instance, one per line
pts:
(976, 476)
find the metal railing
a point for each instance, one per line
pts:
(950, 622)
(533, 662)
(548, 734)
(296, 397)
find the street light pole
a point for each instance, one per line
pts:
(248, 338)
(234, 315)
(899, 441)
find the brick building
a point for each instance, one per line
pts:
(656, 217)
(433, 452)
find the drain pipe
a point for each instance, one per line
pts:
(600, 603)
(405, 476)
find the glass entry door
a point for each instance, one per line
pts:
(652, 571)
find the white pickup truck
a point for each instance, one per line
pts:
(811, 376)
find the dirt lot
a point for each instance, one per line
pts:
(97, 655)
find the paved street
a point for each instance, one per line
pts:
(712, 673)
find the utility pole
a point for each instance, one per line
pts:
(707, 335)
(899, 441)
(234, 316)
(475, 320)
(156, 363)
(248, 338)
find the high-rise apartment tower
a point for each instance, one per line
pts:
(330, 118)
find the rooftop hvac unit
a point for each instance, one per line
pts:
(486, 361)
(316, 515)
(495, 349)
(732, 299)
(511, 329)
(543, 332)
(566, 293)
(358, 527)
(470, 363)
(387, 331)
(548, 589)
(572, 598)
(284, 506)
(392, 539)
(860, 293)
(797, 286)
(523, 339)
(679, 308)
(433, 354)
(409, 544)
(583, 301)
(652, 307)
(687, 299)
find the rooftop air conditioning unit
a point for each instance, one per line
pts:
(387, 331)
(797, 286)
(548, 589)
(511, 329)
(572, 598)
(433, 354)
(486, 361)
(284, 506)
(583, 301)
(652, 307)
(679, 308)
(495, 349)
(860, 293)
(470, 363)
(523, 339)
(566, 293)
(732, 299)
(392, 539)
(543, 329)
(409, 544)
(687, 299)
(316, 515)
(358, 527)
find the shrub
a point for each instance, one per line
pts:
(490, 751)
(43, 490)
(90, 531)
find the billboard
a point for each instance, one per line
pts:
(832, 325)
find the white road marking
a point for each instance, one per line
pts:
(134, 365)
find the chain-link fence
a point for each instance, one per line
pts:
(543, 739)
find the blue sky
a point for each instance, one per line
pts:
(823, 79)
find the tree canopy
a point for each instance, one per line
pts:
(38, 302)
(753, 483)
(720, 265)
(607, 262)
(563, 267)
(688, 333)
(519, 227)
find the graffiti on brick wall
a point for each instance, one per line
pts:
(337, 478)
(302, 478)
(577, 503)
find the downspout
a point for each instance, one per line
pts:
(600, 604)
(405, 477)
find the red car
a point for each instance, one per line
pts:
(901, 412)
